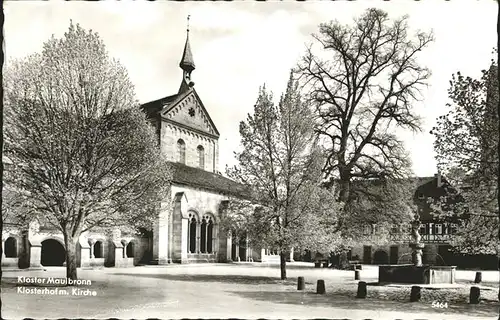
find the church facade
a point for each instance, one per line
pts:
(187, 229)
(188, 226)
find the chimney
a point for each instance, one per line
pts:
(438, 179)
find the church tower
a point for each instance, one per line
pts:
(187, 64)
(186, 133)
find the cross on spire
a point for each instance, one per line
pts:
(188, 22)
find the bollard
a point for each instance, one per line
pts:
(479, 277)
(475, 293)
(320, 287)
(415, 294)
(301, 283)
(356, 275)
(361, 290)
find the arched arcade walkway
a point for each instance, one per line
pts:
(53, 253)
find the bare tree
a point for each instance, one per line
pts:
(362, 81)
(82, 152)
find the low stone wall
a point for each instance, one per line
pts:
(10, 262)
(442, 274)
(416, 275)
(202, 257)
(124, 262)
(401, 274)
(97, 262)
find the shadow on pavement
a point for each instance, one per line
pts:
(348, 302)
(249, 280)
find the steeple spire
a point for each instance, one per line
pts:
(187, 62)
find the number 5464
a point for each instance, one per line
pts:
(437, 304)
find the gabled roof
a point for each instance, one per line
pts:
(161, 106)
(197, 177)
(181, 97)
(152, 108)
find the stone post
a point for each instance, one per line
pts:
(357, 275)
(415, 293)
(475, 295)
(301, 283)
(320, 287)
(479, 277)
(362, 291)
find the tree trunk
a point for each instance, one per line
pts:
(283, 265)
(70, 243)
(344, 189)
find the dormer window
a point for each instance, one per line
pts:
(181, 151)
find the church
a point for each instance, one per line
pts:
(187, 229)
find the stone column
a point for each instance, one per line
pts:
(35, 255)
(35, 245)
(184, 240)
(124, 243)
(170, 236)
(85, 253)
(198, 236)
(206, 236)
(247, 250)
(215, 236)
(91, 244)
(229, 246)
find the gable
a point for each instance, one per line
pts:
(188, 110)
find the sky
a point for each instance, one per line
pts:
(239, 46)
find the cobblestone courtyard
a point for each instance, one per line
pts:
(238, 290)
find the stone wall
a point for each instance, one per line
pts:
(196, 202)
(404, 252)
(30, 248)
(14, 241)
(171, 133)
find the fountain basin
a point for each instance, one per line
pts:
(409, 273)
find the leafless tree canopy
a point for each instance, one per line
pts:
(362, 80)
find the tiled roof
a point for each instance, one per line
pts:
(153, 107)
(197, 177)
